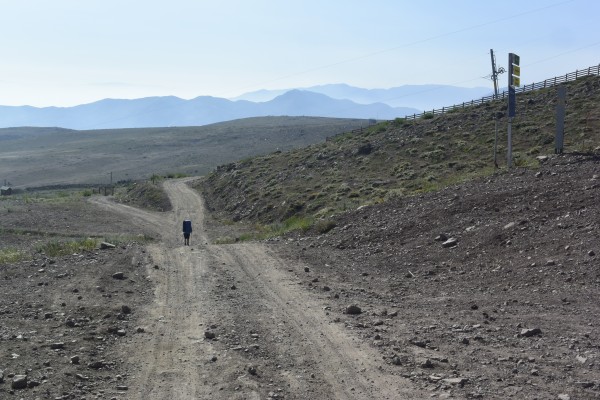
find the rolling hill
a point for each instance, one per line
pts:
(32, 157)
(401, 158)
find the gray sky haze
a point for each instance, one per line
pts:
(69, 52)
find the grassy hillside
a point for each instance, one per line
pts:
(400, 158)
(49, 156)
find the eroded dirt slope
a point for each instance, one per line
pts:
(495, 282)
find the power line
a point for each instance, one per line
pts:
(414, 43)
(410, 44)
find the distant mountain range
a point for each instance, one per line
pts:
(421, 97)
(336, 101)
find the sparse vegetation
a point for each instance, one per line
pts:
(395, 159)
(155, 152)
(10, 255)
(62, 248)
(146, 195)
(176, 175)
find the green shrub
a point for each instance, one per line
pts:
(428, 116)
(297, 222)
(399, 121)
(57, 248)
(324, 226)
(9, 256)
(176, 175)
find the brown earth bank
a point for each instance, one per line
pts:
(483, 290)
(492, 284)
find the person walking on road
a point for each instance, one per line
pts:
(187, 231)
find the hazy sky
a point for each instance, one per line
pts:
(67, 52)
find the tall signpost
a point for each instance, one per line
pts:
(514, 80)
(560, 119)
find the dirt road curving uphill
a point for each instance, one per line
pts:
(272, 338)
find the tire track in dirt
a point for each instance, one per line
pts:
(341, 367)
(173, 359)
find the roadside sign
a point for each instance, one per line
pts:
(514, 79)
(514, 70)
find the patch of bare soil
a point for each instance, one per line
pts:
(60, 319)
(483, 290)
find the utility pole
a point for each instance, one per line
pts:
(494, 76)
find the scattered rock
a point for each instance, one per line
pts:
(530, 332)
(581, 359)
(106, 245)
(122, 387)
(441, 238)
(96, 365)
(125, 309)
(210, 335)
(57, 345)
(75, 360)
(32, 384)
(364, 149)
(455, 381)
(353, 309)
(425, 363)
(252, 370)
(450, 243)
(118, 275)
(509, 225)
(19, 382)
(564, 397)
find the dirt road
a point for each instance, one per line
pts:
(272, 338)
